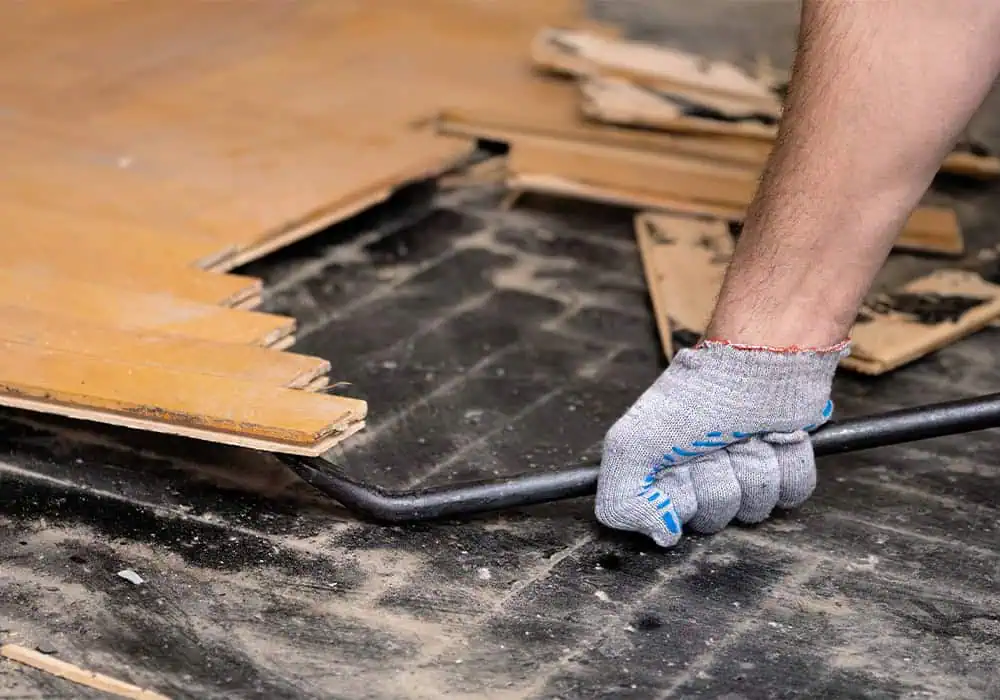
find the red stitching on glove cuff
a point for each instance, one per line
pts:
(789, 350)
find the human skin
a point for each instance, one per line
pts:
(880, 92)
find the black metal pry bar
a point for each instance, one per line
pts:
(896, 427)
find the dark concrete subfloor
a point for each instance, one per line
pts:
(489, 343)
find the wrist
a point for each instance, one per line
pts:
(778, 328)
(791, 306)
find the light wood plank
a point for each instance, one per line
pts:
(246, 362)
(63, 669)
(222, 409)
(139, 263)
(117, 308)
(688, 182)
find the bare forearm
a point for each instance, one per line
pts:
(880, 92)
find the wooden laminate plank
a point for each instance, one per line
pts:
(176, 352)
(117, 308)
(621, 103)
(239, 124)
(690, 77)
(76, 674)
(712, 188)
(131, 263)
(554, 185)
(30, 213)
(155, 398)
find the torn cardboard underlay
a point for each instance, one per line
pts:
(685, 259)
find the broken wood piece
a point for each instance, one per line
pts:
(175, 352)
(719, 149)
(921, 317)
(673, 175)
(621, 103)
(130, 310)
(725, 149)
(680, 184)
(75, 674)
(220, 409)
(588, 55)
(932, 230)
(968, 164)
(685, 259)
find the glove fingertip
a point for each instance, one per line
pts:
(798, 474)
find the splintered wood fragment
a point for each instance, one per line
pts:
(971, 165)
(690, 77)
(680, 184)
(932, 230)
(131, 310)
(684, 260)
(921, 317)
(75, 674)
(247, 362)
(219, 409)
(618, 101)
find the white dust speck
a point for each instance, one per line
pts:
(131, 576)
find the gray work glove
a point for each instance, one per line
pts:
(722, 434)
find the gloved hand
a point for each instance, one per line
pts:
(721, 434)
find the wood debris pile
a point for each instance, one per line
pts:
(683, 139)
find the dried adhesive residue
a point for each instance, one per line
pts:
(927, 309)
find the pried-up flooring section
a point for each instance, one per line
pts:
(149, 149)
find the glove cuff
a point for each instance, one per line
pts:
(762, 388)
